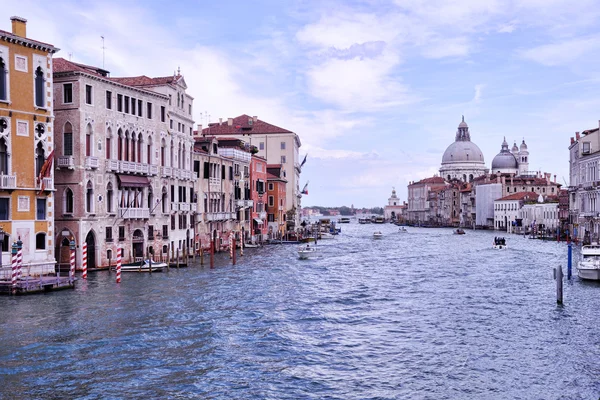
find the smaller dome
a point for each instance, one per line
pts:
(515, 148)
(523, 145)
(504, 160)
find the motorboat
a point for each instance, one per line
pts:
(344, 220)
(459, 231)
(251, 245)
(378, 220)
(402, 230)
(589, 264)
(377, 235)
(144, 266)
(326, 235)
(306, 252)
(499, 243)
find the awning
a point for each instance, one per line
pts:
(133, 181)
(258, 221)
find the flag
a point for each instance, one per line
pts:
(45, 171)
(305, 189)
(303, 161)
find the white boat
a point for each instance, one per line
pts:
(499, 243)
(589, 265)
(251, 245)
(306, 252)
(327, 235)
(403, 230)
(144, 266)
(344, 220)
(377, 235)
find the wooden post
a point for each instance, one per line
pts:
(233, 247)
(558, 275)
(569, 260)
(212, 253)
(177, 258)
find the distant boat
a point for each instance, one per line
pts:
(589, 265)
(459, 232)
(402, 230)
(499, 243)
(306, 252)
(377, 235)
(378, 220)
(364, 221)
(326, 235)
(344, 220)
(143, 266)
(251, 245)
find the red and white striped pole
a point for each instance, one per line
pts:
(14, 266)
(19, 259)
(84, 256)
(231, 250)
(72, 263)
(119, 265)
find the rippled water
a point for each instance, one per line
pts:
(421, 315)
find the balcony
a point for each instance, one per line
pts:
(174, 207)
(166, 171)
(134, 213)
(184, 206)
(124, 166)
(236, 154)
(153, 169)
(218, 216)
(91, 162)
(193, 207)
(8, 182)
(65, 162)
(44, 184)
(245, 203)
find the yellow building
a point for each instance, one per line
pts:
(26, 173)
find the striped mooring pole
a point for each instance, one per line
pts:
(14, 266)
(84, 256)
(72, 263)
(19, 258)
(231, 249)
(119, 265)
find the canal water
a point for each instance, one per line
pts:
(419, 315)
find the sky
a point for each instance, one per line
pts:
(375, 89)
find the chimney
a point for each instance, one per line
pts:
(230, 121)
(199, 128)
(19, 26)
(572, 140)
(577, 137)
(255, 118)
(554, 178)
(220, 121)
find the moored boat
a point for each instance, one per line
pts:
(589, 265)
(402, 230)
(344, 220)
(144, 266)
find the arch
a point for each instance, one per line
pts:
(120, 145)
(39, 87)
(150, 199)
(464, 177)
(108, 144)
(470, 177)
(40, 241)
(89, 197)
(149, 150)
(109, 197)
(89, 140)
(163, 146)
(179, 156)
(68, 139)
(90, 240)
(172, 154)
(164, 200)
(3, 157)
(126, 150)
(68, 203)
(140, 142)
(39, 158)
(138, 244)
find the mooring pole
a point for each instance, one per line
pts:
(558, 275)
(212, 253)
(569, 261)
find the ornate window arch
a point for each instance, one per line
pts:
(40, 90)
(68, 201)
(89, 140)
(68, 139)
(89, 197)
(108, 144)
(3, 80)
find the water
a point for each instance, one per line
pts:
(423, 315)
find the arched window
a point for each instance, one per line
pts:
(164, 200)
(139, 149)
(126, 146)
(149, 150)
(172, 158)
(3, 157)
(88, 140)
(133, 146)
(178, 100)
(108, 144)
(89, 198)
(69, 201)
(471, 178)
(68, 139)
(162, 153)
(179, 156)
(120, 145)
(150, 199)
(40, 241)
(39, 87)
(464, 177)
(3, 82)
(39, 158)
(109, 197)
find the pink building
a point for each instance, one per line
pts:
(258, 188)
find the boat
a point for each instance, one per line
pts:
(402, 230)
(378, 220)
(459, 231)
(326, 235)
(251, 245)
(143, 266)
(499, 243)
(589, 264)
(363, 221)
(306, 252)
(344, 220)
(377, 235)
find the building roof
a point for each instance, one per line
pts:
(520, 196)
(61, 65)
(244, 124)
(271, 177)
(433, 180)
(144, 80)
(11, 37)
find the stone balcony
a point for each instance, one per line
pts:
(130, 167)
(44, 184)
(8, 182)
(218, 216)
(65, 162)
(91, 162)
(134, 213)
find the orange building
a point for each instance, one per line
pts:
(276, 205)
(26, 147)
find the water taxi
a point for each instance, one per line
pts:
(589, 265)
(499, 243)
(344, 220)
(377, 235)
(306, 252)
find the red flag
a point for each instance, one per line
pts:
(45, 171)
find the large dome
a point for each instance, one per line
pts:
(462, 152)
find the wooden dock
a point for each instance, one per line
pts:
(37, 284)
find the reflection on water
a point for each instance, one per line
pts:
(424, 314)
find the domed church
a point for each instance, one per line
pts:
(462, 160)
(514, 162)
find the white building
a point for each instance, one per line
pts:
(485, 196)
(540, 216)
(394, 210)
(506, 210)
(462, 160)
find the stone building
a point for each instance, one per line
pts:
(27, 198)
(258, 188)
(394, 210)
(123, 176)
(419, 203)
(541, 217)
(506, 211)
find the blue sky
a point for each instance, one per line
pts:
(375, 89)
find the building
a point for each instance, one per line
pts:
(419, 205)
(276, 197)
(485, 195)
(277, 145)
(506, 211)
(462, 160)
(541, 218)
(258, 188)
(123, 176)
(394, 210)
(27, 198)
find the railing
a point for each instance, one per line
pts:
(46, 183)
(153, 170)
(194, 207)
(65, 162)
(112, 165)
(8, 181)
(174, 206)
(184, 206)
(166, 171)
(234, 153)
(134, 213)
(91, 162)
(214, 181)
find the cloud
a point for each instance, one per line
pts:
(478, 91)
(565, 52)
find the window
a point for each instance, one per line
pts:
(172, 222)
(108, 100)
(283, 159)
(150, 232)
(4, 208)
(41, 209)
(68, 201)
(171, 124)
(282, 145)
(165, 232)
(261, 146)
(89, 198)
(121, 233)
(109, 197)
(126, 101)
(133, 106)
(67, 93)
(3, 157)
(39, 158)
(3, 80)
(190, 109)
(586, 148)
(162, 113)
(40, 241)
(149, 110)
(139, 108)
(39, 87)
(271, 201)
(120, 103)
(88, 94)
(270, 186)
(109, 236)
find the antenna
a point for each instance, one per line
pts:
(103, 48)
(70, 56)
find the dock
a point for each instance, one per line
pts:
(37, 284)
